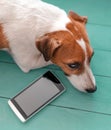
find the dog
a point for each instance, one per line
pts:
(37, 34)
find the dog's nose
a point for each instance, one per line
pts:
(91, 90)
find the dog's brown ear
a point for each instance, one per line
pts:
(47, 46)
(73, 16)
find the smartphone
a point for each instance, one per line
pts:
(36, 96)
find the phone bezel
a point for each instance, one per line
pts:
(57, 83)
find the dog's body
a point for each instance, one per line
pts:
(37, 34)
(23, 22)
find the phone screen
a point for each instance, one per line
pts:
(37, 94)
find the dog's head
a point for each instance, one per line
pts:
(70, 49)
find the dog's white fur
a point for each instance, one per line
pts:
(78, 80)
(26, 20)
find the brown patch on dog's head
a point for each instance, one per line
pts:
(3, 39)
(70, 49)
(62, 48)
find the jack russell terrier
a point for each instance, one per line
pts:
(37, 34)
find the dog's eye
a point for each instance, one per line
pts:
(75, 65)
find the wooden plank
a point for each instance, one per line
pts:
(5, 57)
(99, 36)
(101, 63)
(54, 118)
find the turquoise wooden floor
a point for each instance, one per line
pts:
(73, 110)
